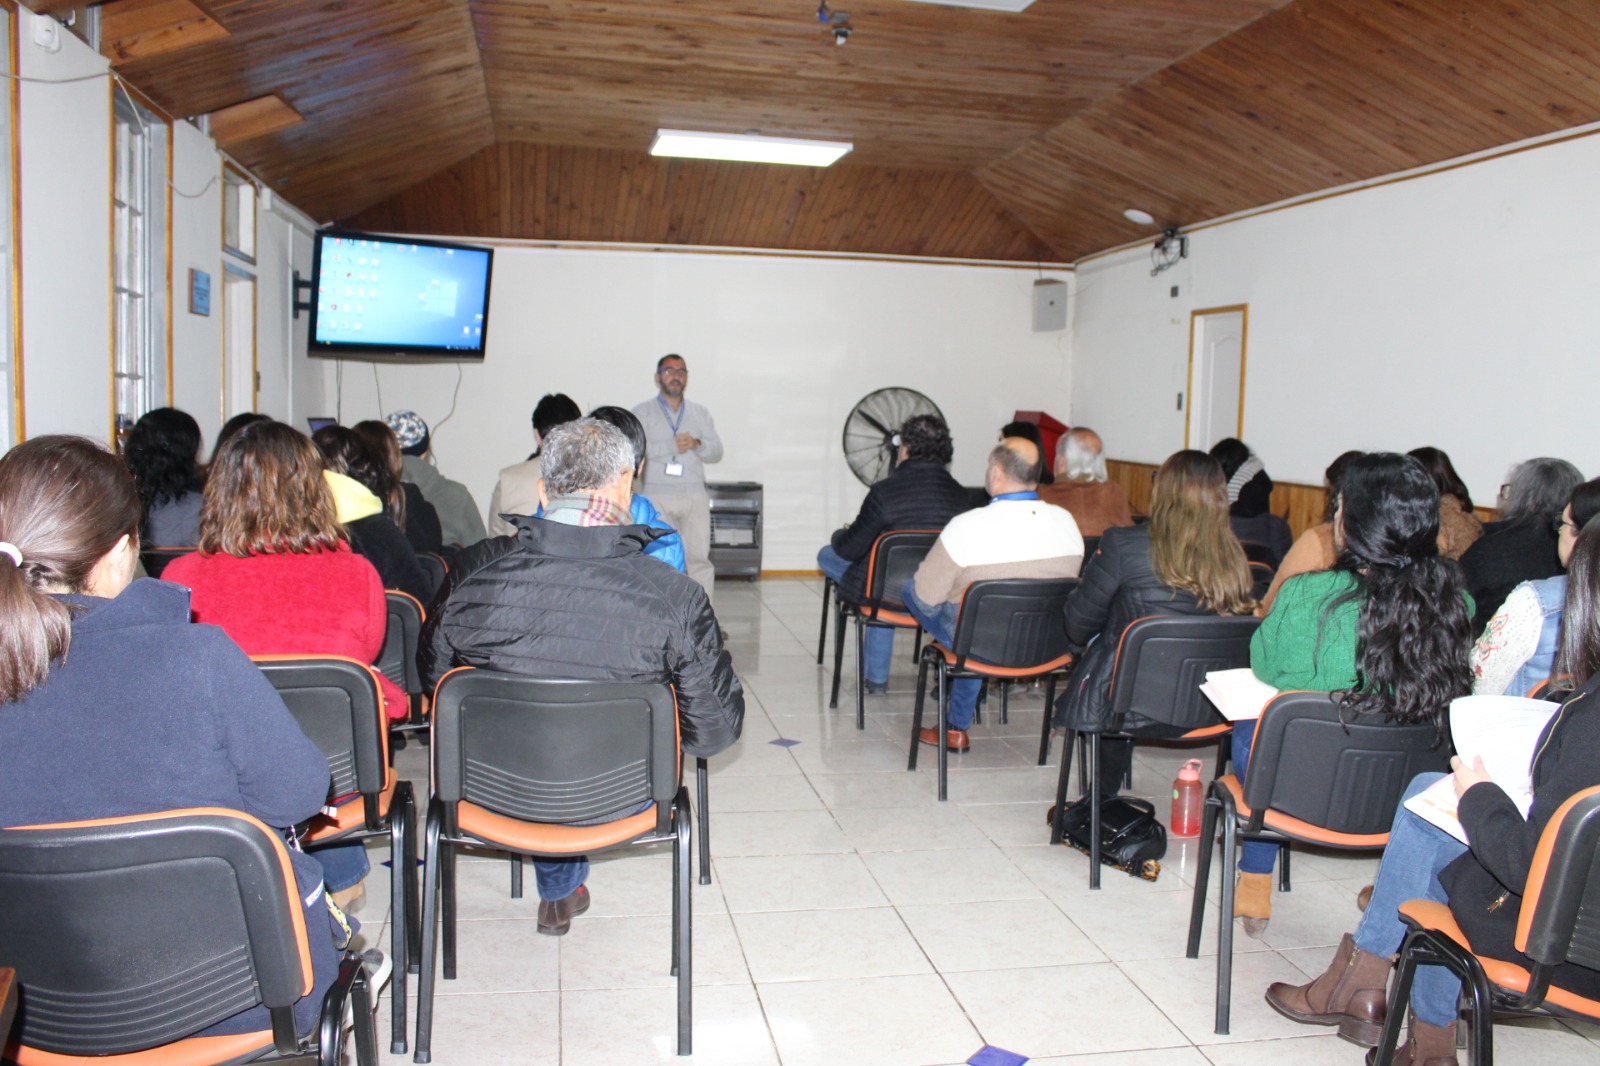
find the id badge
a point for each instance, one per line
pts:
(673, 468)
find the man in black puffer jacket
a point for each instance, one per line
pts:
(918, 494)
(572, 595)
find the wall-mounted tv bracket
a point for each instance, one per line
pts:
(299, 287)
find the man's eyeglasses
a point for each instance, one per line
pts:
(673, 372)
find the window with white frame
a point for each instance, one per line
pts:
(139, 278)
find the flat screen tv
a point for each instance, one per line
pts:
(377, 297)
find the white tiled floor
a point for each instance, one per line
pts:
(854, 920)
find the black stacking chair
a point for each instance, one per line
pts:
(398, 659)
(337, 704)
(516, 761)
(1560, 906)
(156, 558)
(894, 561)
(1007, 630)
(1316, 777)
(130, 934)
(1161, 661)
(435, 567)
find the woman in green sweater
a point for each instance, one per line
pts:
(1388, 627)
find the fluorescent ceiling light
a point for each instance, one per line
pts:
(987, 5)
(748, 148)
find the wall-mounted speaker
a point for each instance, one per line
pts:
(1049, 305)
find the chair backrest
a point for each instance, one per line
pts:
(894, 561)
(543, 750)
(1013, 622)
(129, 933)
(434, 567)
(336, 702)
(1346, 777)
(1256, 552)
(1560, 918)
(398, 659)
(1161, 661)
(1090, 546)
(156, 558)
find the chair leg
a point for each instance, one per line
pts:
(1061, 790)
(447, 908)
(822, 635)
(1090, 772)
(916, 714)
(362, 995)
(516, 877)
(944, 733)
(703, 802)
(1399, 998)
(1083, 765)
(861, 665)
(399, 925)
(1005, 702)
(413, 897)
(838, 648)
(1283, 865)
(1044, 730)
(916, 645)
(431, 876)
(1202, 873)
(1230, 861)
(682, 925)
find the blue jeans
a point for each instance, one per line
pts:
(1417, 852)
(880, 639)
(1255, 856)
(343, 866)
(560, 878)
(940, 622)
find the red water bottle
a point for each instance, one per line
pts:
(1187, 798)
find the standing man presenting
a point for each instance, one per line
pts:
(682, 439)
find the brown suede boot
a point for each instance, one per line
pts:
(1426, 1045)
(1349, 994)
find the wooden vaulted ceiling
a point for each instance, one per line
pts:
(977, 134)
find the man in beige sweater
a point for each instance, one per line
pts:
(1016, 535)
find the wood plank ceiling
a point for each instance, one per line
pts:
(977, 134)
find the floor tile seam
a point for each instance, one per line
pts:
(744, 954)
(1170, 1020)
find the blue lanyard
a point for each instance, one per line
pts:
(1015, 496)
(666, 412)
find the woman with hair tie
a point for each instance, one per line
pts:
(1388, 627)
(113, 703)
(1480, 880)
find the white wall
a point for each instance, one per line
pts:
(780, 350)
(64, 151)
(1459, 309)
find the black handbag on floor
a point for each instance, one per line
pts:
(1131, 839)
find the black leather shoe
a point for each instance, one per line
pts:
(555, 915)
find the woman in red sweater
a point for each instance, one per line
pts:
(273, 572)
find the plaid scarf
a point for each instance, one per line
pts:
(586, 509)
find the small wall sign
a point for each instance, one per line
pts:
(199, 292)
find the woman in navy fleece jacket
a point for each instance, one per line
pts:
(112, 703)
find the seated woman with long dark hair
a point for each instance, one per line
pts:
(1313, 549)
(162, 452)
(1183, 561)
(1480, 880)
(410, 510)
(113, 703)
(274, 572)
(1388, 627)
(1458, 526)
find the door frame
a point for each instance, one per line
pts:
(1244, 347)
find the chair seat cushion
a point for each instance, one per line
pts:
(973, 666)
(540, 838)
(195, 1051)
(353, 814)
(1429, 914)
(1297, 829)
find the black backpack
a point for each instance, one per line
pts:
(1131, 839)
